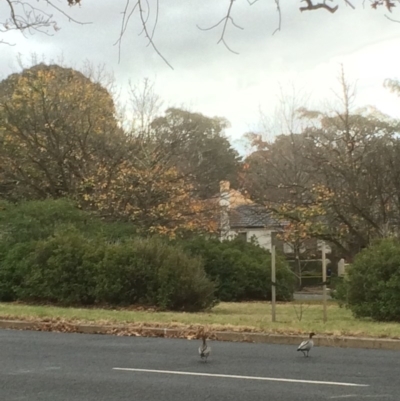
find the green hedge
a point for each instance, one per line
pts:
(60, 269)
(36, 220)
(13, 265)
(71, 269)
(149, 271)
(50, 251)
(371, 287)
(241, 270)
(25, 225)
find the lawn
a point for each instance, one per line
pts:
(246, 316)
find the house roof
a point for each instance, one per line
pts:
(251, 216)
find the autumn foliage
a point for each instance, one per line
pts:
(335, 179)
(57, 127)
(60, 137)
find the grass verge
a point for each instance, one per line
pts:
(292, 318)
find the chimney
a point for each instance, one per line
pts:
(224, 200)
(224, 203)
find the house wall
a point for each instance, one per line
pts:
(263, 236)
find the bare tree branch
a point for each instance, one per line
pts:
(225, 20)
(349, 4)
(391, 19)
(310, 6)
(278, 7)
(23, 16)
(156, 21)
(3, 42)
(148, 36)
(124, 24)
(144, 21)
(65, 14)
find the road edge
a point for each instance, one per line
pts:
(190, 333)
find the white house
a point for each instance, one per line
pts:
(241, 217)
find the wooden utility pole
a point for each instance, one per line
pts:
(324, 279)
(273, 283)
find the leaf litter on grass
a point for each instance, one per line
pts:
(253, 317)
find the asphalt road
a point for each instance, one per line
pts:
(37, 366)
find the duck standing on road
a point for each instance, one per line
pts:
(204, 349)
(306, 345)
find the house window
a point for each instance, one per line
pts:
(242, 236)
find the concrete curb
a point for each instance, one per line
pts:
(187, 333)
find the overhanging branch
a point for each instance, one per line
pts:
(311, 6)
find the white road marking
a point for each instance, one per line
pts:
(273, 379)
(336, 397)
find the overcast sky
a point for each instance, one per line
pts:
(207, 77)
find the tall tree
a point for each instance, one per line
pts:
(59, 138)
(57, 127)
(145, 105)
(341, 185)
(197, 146)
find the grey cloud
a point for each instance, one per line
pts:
(206, 75)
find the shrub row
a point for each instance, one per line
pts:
(371, 287)
(35, 220)
(242, 270)
(50, 251)
(71, 269)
